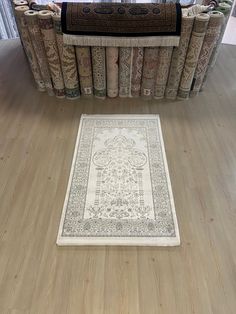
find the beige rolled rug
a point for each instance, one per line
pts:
(70, 74)
(68, 62)
(178, 58)
(112, 60)
(32, 21)
(49, 39)
(125, 66)
(163, 65)
(20, 2)
(99, 71)
(195, 45)
(136, 73)
(26, 41)
(225, 8)
(212, 33)
(83, 56)
(149, 72)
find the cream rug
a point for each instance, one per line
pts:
(119, 190)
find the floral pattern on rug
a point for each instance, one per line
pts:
(119, 182)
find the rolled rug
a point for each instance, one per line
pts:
(230, 2)
(212, 33)
(195, 9)
(225, 8)
(37, 7)
(212, 3)
(68, 62)
(149, 72)
(125, 66)
(49, 39)
(163, 66)
(121, 25)
(83, 56)
(112, 59)
(178, 58)
(195, 45)
(29, 50)
(31, 3)
(31, 18)
(136, 72)
(49, 6)
(20, 2)
(99, 71)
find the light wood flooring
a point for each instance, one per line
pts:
(37, 137)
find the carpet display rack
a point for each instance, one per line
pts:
(176, 71)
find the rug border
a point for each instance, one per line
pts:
(131, 241)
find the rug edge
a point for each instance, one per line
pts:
(176, 225)
(133, 241)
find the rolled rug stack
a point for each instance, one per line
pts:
(178, 58)
(163, 65)
(212, 33)
(68, 62)
(125, 67)
(29, 50)
(195, 45)
(112, 60)
(32, 21)
(136, 72)
(149, 72)
(83, 56)
(99, 71)
(49, 39)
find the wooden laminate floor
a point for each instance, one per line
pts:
(37, 136)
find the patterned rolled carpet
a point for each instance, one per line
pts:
(178, 58)
(68, 62)
(125, 66)
(163, 65)
(136, 74)
(210, 39)
(119, 190)
(225, 8)
(112, 59)
(29, 49)
(99, 71)
(115, 19)
(83, 56)
(149, 72)
(49, 39)
(32, 21)
(195, 45)
(110, 24)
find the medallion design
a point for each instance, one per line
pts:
(119, 186)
